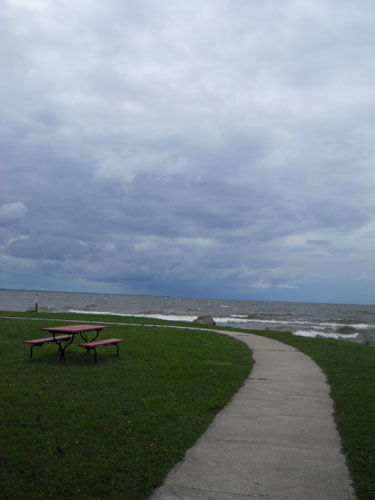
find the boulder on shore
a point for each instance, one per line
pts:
(206, 320)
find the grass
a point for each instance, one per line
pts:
(350, 371)
(132, 418)
(113, 429)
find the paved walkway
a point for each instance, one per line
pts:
(276, 439)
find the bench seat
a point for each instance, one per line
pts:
(40, 342)
(97, 343)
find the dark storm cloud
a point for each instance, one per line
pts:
(188, 148)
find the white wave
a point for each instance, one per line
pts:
(168, 317)
(238, 318)
(79, 311)
(234, 319)
(313, 334)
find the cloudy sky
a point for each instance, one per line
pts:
(209, 148)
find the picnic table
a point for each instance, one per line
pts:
(68, 335)
(63, 336)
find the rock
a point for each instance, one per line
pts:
(207, 320)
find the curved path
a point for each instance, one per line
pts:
(276, 439)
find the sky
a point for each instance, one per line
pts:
(210, 148)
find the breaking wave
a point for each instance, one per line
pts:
(167, 317)
(313, 334)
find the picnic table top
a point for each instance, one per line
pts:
(74, 328)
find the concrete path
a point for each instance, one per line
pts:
(276, 439)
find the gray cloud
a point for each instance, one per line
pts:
(10, 212)
(189, 149)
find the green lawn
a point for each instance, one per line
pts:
(113, 429)
(121, 424)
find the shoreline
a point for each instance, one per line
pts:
(344, 322)
(357, 338)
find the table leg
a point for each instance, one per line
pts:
(84, 338)
(63, 347)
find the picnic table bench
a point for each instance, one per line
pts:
(93, 345)
(40, 342)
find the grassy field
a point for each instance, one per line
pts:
(113, 429)
(136, 415)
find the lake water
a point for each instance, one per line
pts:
(355, 323)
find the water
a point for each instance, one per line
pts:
(355, 323)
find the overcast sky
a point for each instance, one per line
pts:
(202, 148)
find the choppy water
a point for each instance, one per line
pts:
(349, 322)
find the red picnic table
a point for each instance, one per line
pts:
(68, 335)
